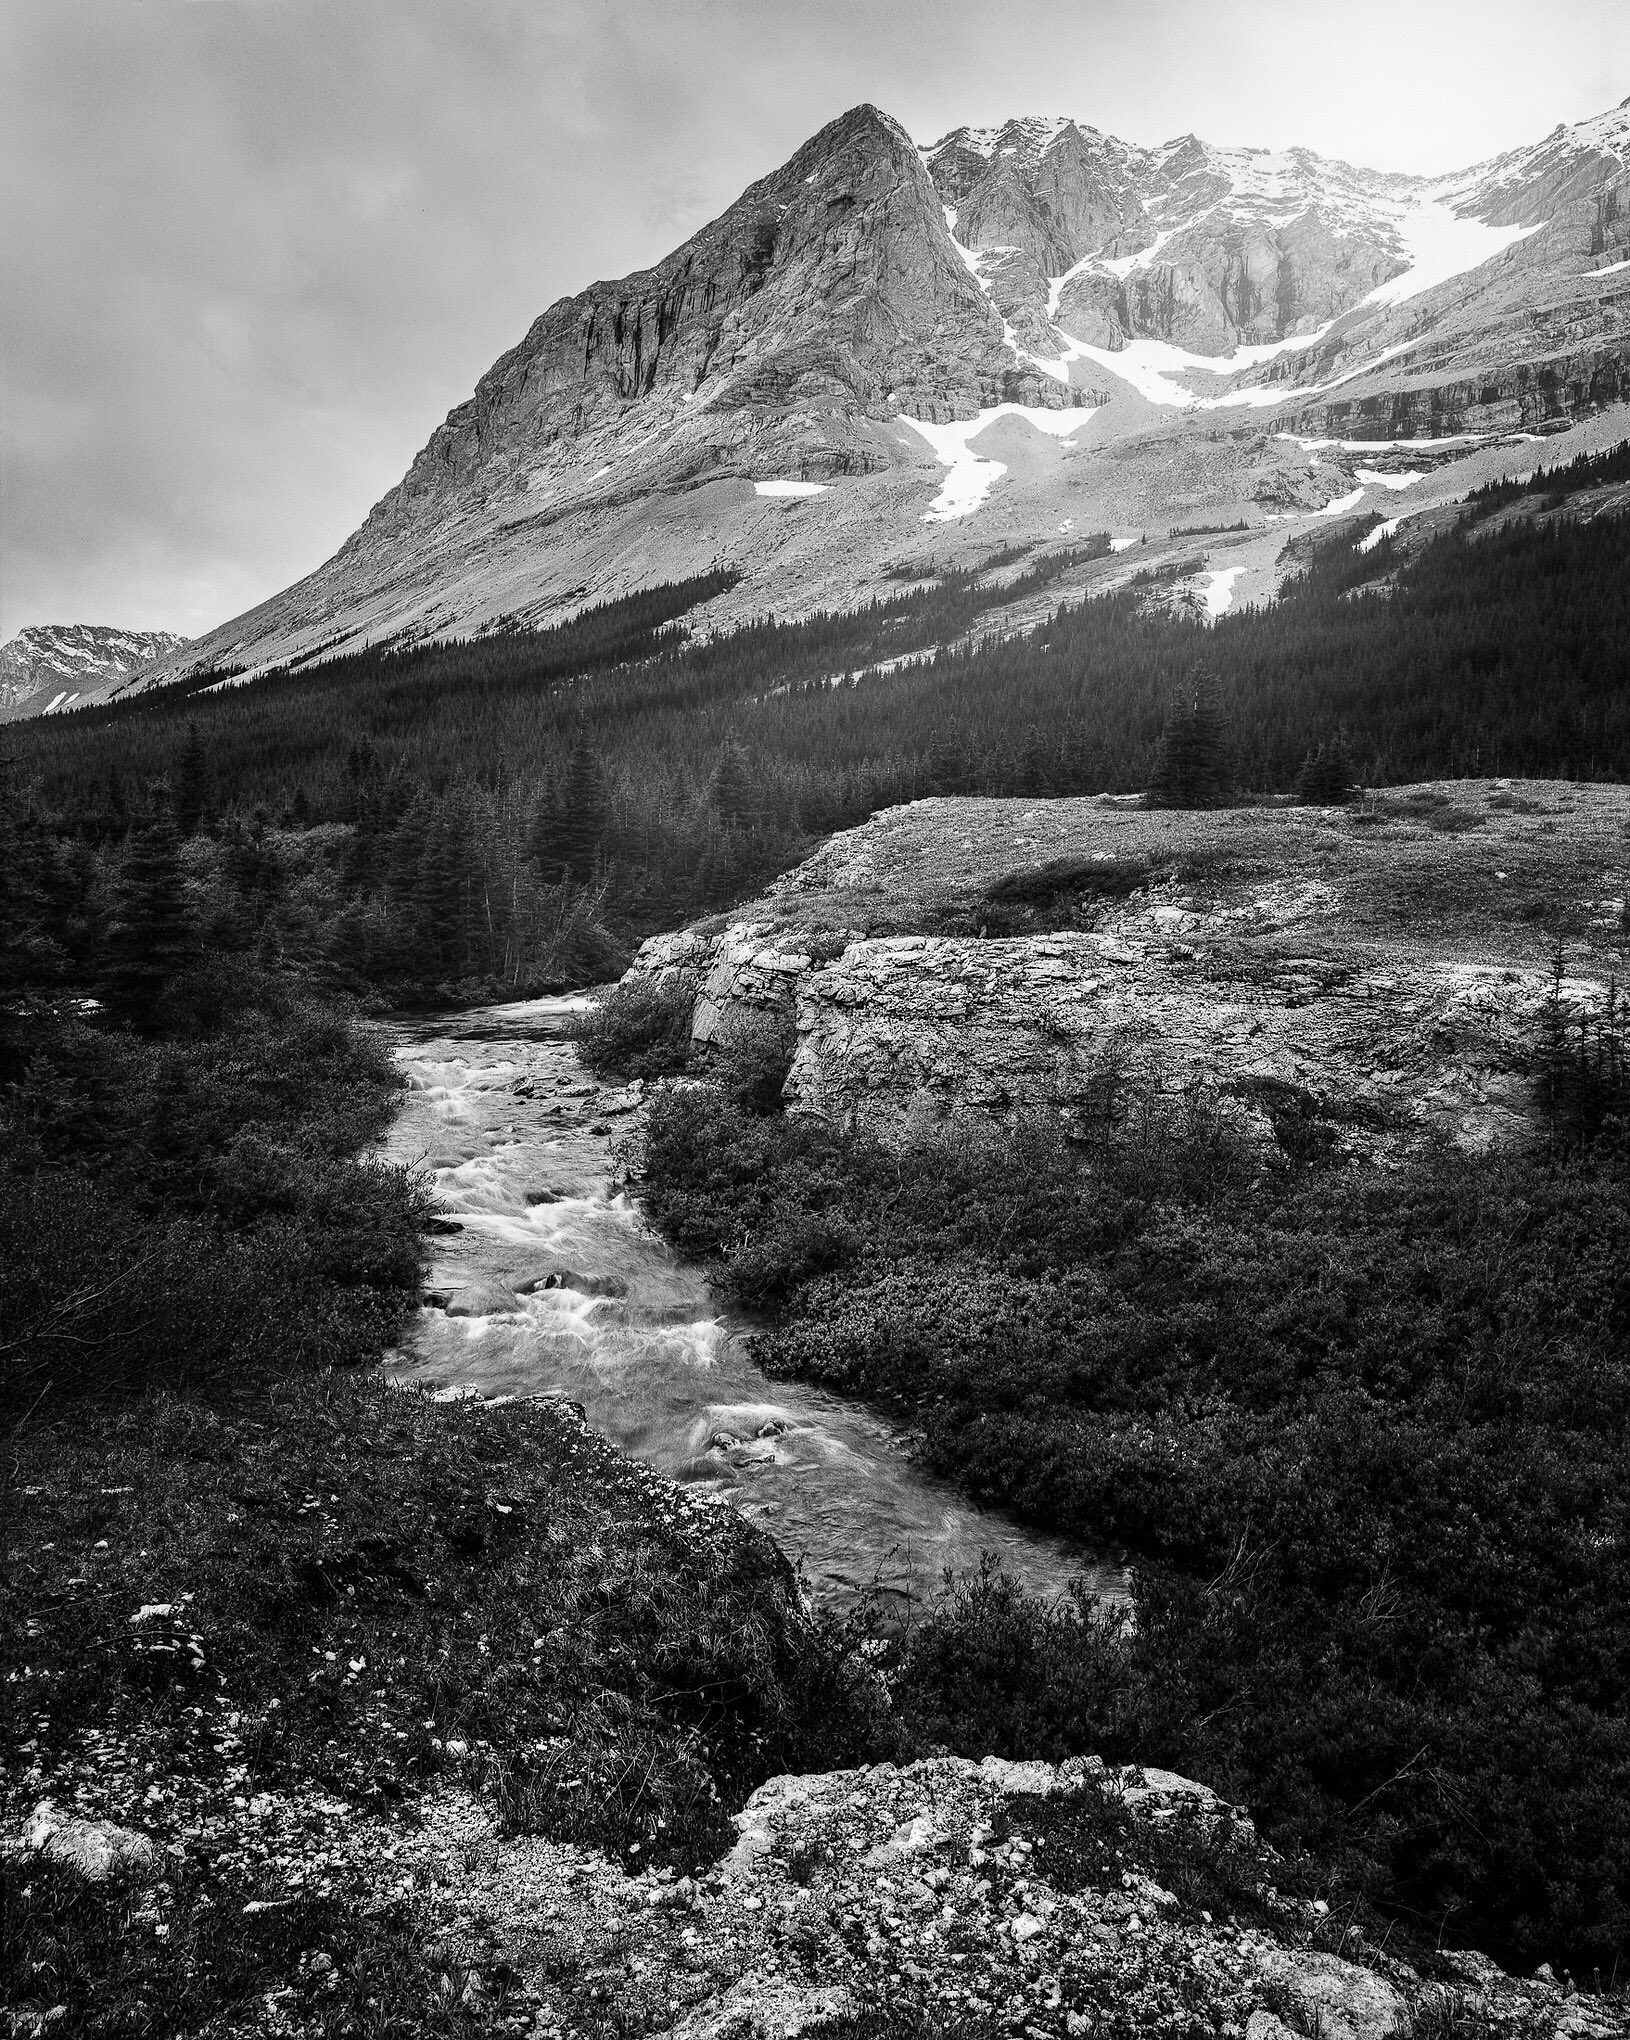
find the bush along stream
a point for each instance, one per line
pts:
(257, 1601)
(1364, 1433)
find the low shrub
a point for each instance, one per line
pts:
(751, 1059)
(637, 1029)
(185, 1211)
(1363, 1433)
(374, 1592)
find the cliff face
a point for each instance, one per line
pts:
(1212, 249)
(1341, 980)
(830, 288)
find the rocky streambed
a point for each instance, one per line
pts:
(548, 1283)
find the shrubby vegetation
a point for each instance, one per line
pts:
(380, 1594)
(636, 1029)
(240, 1565)
(1363, 1432)
(182, 1202)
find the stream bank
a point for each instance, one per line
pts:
(550, 1284)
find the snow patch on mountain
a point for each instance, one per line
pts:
(1440, 245)
(971, 477)
(1152, 366)
(1218, 591)
(1377, 478)
(1121, 266)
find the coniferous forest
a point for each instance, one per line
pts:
(515, 810)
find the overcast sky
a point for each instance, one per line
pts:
(254, 250)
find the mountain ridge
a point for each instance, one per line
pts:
(1132, 337)
(57, 665)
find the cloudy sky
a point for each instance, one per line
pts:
(254, 250)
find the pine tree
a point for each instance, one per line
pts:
(1192, 766)
(566, 838)
(151, 938)
(191, 783)
(946, 770)
(731, 790)
(30, 959)
(1326, 778)
(444, 891)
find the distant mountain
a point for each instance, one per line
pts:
(54, 666)
(885, 355)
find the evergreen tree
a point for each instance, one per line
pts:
(256, 872)
(444, 891)
(946, 769)
(1327, 776)
(151, 938)
(566, 839)
(30, 958)
(1192, 764)
(190, 784)
(731, 790)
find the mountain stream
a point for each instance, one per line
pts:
(551, 1284)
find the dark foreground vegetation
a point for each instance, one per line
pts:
(1363, 1431)
(504, 814)
(357, 1595)
(254, 1601)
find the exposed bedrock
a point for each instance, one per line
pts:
(1350, 984)
(904, 1033)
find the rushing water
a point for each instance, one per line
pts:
(553, 1285)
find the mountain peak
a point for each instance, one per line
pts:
(788, 388)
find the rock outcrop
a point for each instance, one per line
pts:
(1059, 1901)
(1340, 979)
(94, 1851)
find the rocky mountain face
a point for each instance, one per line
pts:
(55, 666)
(883, 352)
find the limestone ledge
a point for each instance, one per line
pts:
(1293, 988)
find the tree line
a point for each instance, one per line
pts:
(476, 813)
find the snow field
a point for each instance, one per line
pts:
(1439, 244)
(1373, 477)
(971, 478)
(1372, 539)
(1218, 591)
(1378, 445)
(784, 488)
